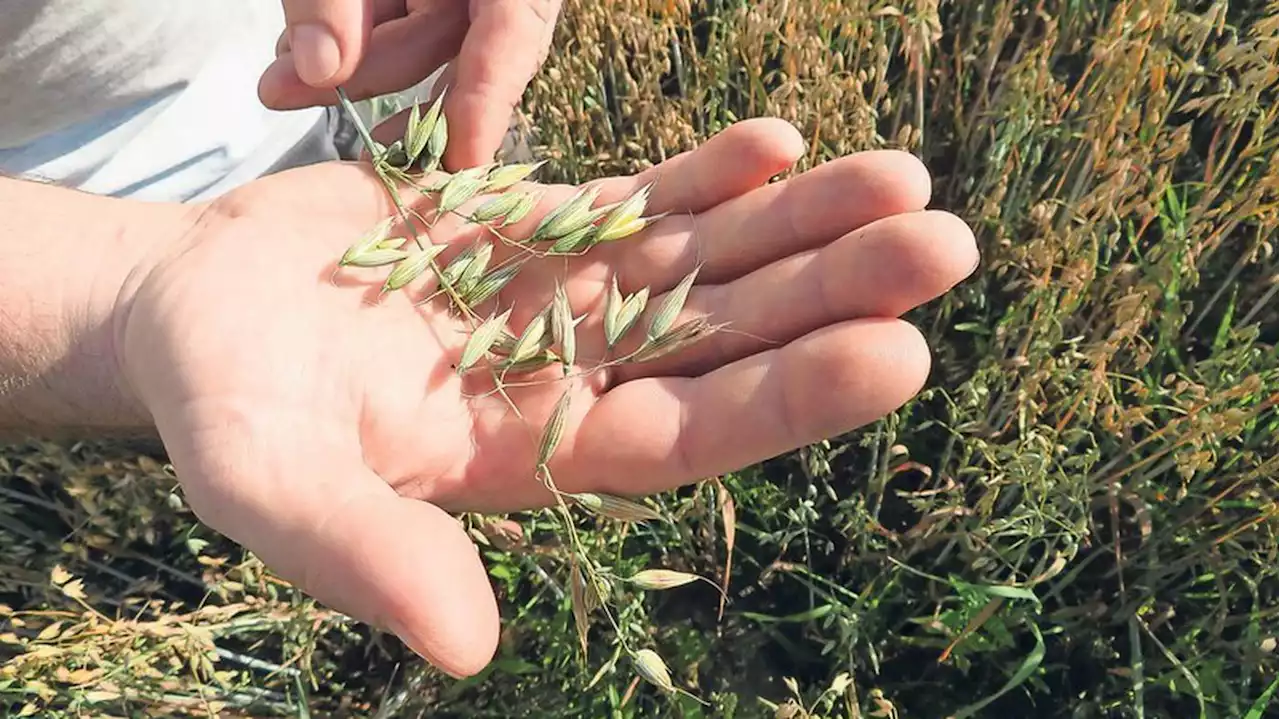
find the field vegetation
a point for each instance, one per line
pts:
(1076, 519)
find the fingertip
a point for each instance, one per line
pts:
(883, 362)
(786, 140)
(318, 57)
(408, 566)
(275, 82)
(485, 126)
(913, 177)
(769, 143)
(915, 358)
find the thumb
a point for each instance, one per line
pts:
(326, 38)
(408, 567)
(348, 540)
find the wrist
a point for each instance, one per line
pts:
(77, 260)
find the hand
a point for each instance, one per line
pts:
(330, 434)
(375, 47)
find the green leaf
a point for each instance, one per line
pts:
(1024, 672)
(1255, 711)
(812, 614)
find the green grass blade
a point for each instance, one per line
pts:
(1255, 711)
(1024, 672)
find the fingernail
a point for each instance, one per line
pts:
(315, 53)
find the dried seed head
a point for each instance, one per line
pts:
(481, 340)
(579, 594)
(507, 175)
(492, 283)
(554, 431)
(531, 339)
(496, 207)
(599, 592)
(789, 710)
(652, 669)
(411, 267)
(671, 305)
(613, 507)
(572, 215)
(657, 579)
(686, 334)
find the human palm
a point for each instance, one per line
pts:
(322, 424)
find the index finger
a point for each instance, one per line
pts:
(504, 47)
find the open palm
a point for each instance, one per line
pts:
(324, 427)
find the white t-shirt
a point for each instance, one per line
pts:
(151, 99)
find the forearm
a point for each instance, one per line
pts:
(68, 258)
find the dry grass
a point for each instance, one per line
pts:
(1078, 516)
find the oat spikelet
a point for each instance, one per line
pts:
(652, 669)
(554, 430)
(367, 242)
(573, 241)
(670, 307)
(416, 134)
(563, 329)
(625, 219)
(619, 318)
(613, 507)
(474, 270)
(411, 267)
(612, 307)
(377, 257)
(461, 187)
(578, 594)
(496, 207)
(574, 214)
(528, 201)
(531, 339)
(438, 138)
(541, 360)
(507, 175)
(461, 266)
(492, 283)
(684, 335)
(658, 579)
(481, 340)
